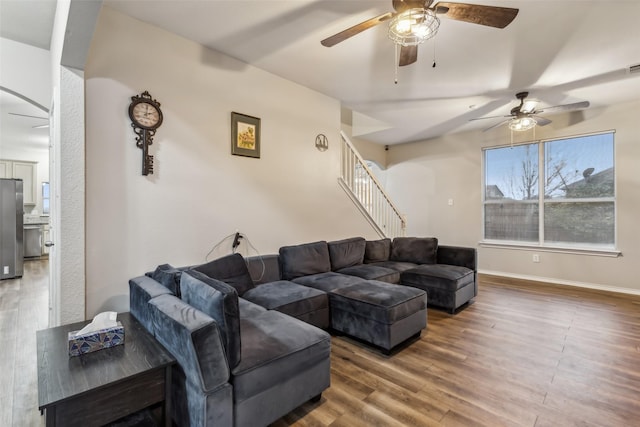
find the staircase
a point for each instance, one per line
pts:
(358, 181)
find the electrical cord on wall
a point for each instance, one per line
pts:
(217, 245)
(237, 236)
(264, 267)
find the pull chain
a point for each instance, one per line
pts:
(395, 63)
(434, 53)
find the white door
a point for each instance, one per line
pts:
(54, 218)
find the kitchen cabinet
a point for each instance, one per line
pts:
(5, 169)
(27, 172)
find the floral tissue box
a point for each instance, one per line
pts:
(96, 340)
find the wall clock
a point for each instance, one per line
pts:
(146, 118)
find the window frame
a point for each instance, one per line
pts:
(541, 245)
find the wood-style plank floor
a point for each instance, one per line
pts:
(24, 309)
(523, 354)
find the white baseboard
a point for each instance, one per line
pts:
(563, 282)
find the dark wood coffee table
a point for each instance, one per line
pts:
(100, 387)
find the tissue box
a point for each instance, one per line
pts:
(94, 341)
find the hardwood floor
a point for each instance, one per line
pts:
(24, 308)
(523, 354)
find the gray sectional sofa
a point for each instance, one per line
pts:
(248, 334)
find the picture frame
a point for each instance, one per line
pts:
(245, 135)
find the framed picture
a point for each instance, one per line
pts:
(245, 135)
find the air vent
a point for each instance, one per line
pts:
(634, 69)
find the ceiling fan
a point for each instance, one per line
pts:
(44, 125)
(525, 115)
(416, 21)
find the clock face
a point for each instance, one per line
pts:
(146, 115)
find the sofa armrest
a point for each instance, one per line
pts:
(458, 255)
(194, 339)
(141, 290)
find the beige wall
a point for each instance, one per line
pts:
(199, 193)
(423, 176)
(368, 150)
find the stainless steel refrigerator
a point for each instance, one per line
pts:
(11, 231)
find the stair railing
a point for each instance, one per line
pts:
(367, 193)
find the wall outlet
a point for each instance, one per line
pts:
(5, 270)
(450, 202)
(536, 258)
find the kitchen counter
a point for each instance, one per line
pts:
(36, 220)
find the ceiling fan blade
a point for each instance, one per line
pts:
(408, 55)
(491, 16)
(488, 117)
(529, 106)
(566, 107)
(541, 121)
(496, 125)
(27, 115)
(356, 29)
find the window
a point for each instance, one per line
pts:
(552, 193)
(45, 198)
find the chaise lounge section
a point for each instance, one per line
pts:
(238, 363)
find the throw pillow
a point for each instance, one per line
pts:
(220, 302)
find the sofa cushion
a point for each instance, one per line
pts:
(288, 298)
(346, 253)
(377, 250)
(193, 338)
(372, 272)
(304, 260)
(219, 301)
(230, 269)
(396, 265)
(263, 268)
(379, 301)
(169, 277)
(327, 282)
(143, 289)
(249, 309)
(440, 276)
(276, 347)
(419, 250)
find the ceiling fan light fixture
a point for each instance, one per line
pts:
(520, 124)
(413, 26)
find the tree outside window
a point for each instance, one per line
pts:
(577, 180)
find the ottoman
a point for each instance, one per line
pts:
(379, 313)
(448, 286)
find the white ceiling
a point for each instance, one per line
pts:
(557, 50)
(20, 124)
(29, 22)
(560, 51)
